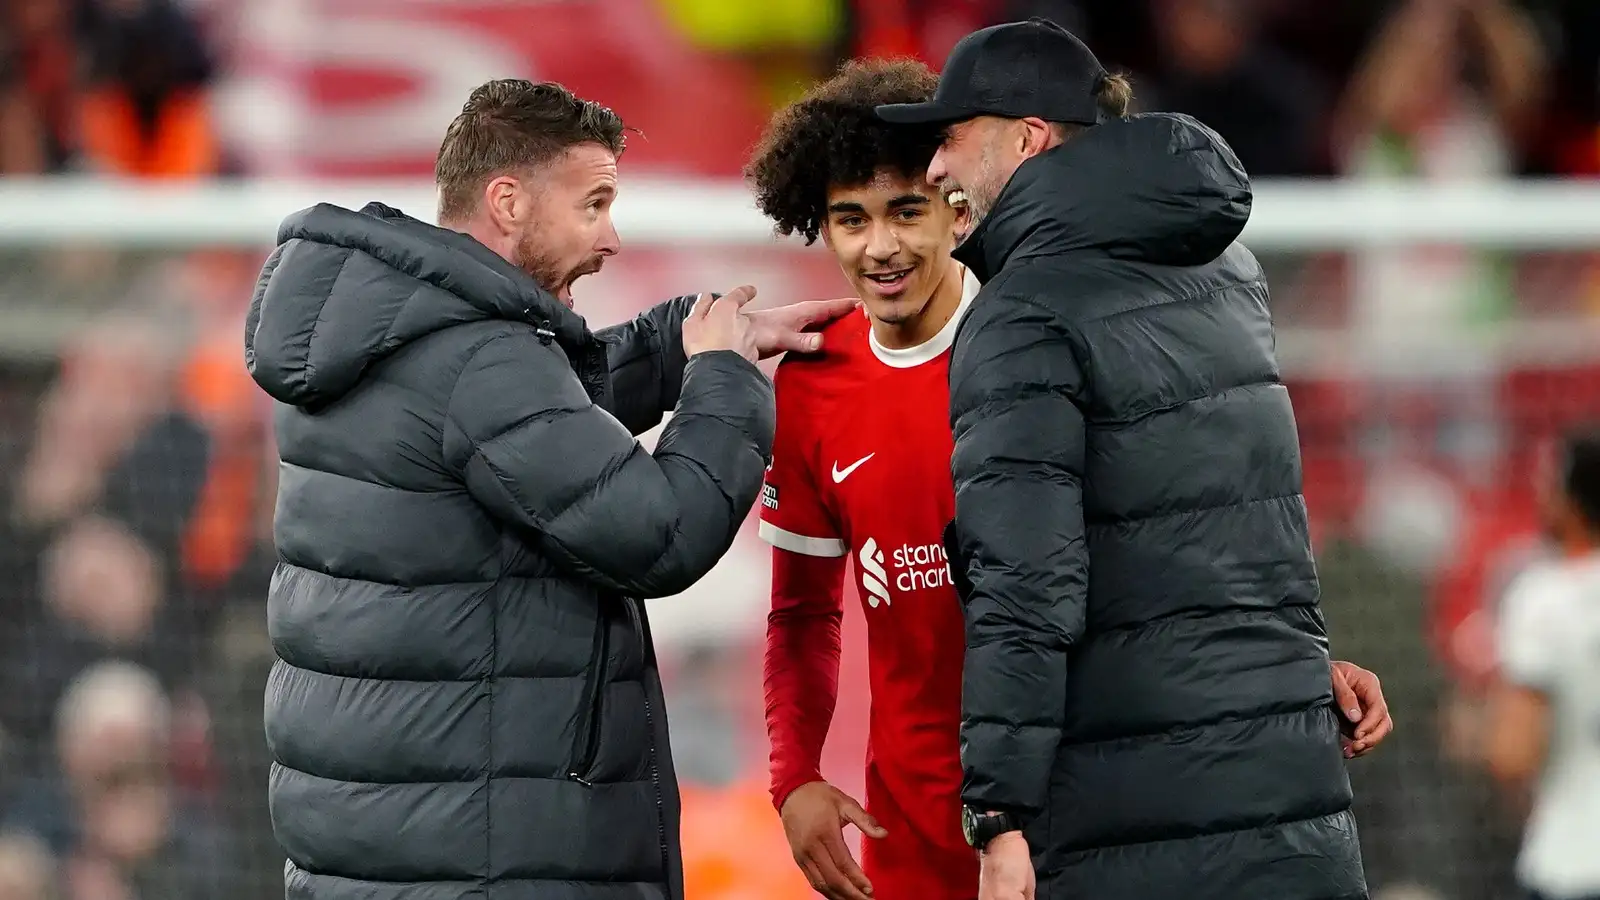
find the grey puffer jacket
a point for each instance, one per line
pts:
(466, 704)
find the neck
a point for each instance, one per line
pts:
(921, 328)
(484, 233)
(1580, 543)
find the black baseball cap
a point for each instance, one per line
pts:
(1015, 70)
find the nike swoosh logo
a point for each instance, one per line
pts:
(841, 474)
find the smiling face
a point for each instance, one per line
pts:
(973, 164)
(892, 237)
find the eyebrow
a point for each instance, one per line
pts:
(602, 189)
(850, 206)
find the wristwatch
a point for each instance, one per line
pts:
(980, 828)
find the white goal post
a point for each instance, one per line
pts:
(1287, 215)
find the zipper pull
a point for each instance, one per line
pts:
(541, 329)
(579, 779)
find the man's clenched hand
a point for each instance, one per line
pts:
(782, 328)
(1360, 700)
(814, 816)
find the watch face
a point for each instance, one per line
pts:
(969, 827)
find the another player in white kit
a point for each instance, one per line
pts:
(1545, 729)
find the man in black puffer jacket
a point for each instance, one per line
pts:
(465, 702)
(1146, 705)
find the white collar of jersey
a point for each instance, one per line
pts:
(929, 350)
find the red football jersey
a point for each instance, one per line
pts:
(861, 468)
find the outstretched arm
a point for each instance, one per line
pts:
(540, 456)
(647, 357)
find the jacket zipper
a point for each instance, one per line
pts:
(642, 628)
(586, 738)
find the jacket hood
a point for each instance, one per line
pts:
(1158, 188)
(345, 289)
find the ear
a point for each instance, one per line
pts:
(1037, 136)
(506, 203)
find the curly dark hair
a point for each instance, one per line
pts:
(830, 137)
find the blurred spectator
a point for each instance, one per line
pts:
(26, 870)
(102, 591)
(1570, 133)
(38, 67)
(1447, 90)
(104, 497)
(1541, 740)
(225, 536)
(109, 811)
(111, 439)
(1215, 66)
(243, 659)
(924, 29)
(144, 111)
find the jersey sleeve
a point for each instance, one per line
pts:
(1531, 628)
(801, 665)
(794, 516)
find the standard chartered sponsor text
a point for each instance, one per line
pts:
(909, 567)
(920, 566)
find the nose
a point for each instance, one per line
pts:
(938, 170)
(610, 242)
(882, 242)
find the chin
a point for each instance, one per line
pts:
(897, 311)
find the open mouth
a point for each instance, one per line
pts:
(958, 202)
(889, 284)
(889, 279)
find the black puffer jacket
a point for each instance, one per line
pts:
(1147, 672)
(466, 703)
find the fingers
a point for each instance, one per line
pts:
(1369, 694)
(725, 306)
(1373, 730)
(1344, 695)
(854, 884)
(816, 312)
(741, 295)
(799, 341)
(1369, 697)
(821, 864)
(815, 877)
(1374, 722)
(702, 306)
(860, 818)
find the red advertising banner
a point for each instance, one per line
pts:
(366, 87)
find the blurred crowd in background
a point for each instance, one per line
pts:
(135, 538)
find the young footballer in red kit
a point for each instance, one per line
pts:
(860, 475)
